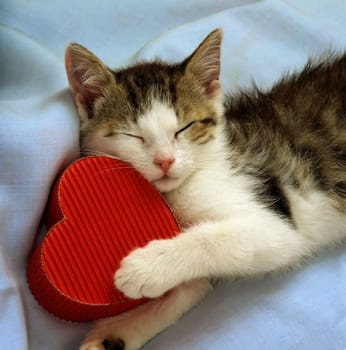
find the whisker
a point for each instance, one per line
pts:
(91, 151)
(124, 165)
(114, 169)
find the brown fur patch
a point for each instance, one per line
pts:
(296, 132)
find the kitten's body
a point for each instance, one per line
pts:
(257, 183)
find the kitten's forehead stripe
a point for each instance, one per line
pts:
(173, 91)
(146, 80)
(133, 96)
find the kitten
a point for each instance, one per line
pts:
(257, 180)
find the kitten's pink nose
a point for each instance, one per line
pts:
(164, 163)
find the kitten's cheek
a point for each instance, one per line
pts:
(144, 167)
(180, 170)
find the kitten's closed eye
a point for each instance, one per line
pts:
(112, 133)
(205, 121)
(183, 129)
(133, 136)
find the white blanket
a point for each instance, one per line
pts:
(304, 309)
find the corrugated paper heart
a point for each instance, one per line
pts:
(100, 209)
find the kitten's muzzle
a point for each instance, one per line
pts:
(164, 163)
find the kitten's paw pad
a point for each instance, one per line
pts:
(147, 272)
(105, 344)
(117, 344)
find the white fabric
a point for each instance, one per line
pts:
(303, 309)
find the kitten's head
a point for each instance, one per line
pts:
(161, 118)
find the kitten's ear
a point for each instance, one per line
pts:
(204, 63)
(88, 77)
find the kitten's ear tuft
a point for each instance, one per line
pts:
(205, 63)
(88, 78)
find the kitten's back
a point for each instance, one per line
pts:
(295, 134)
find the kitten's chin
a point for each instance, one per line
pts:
(167, 184)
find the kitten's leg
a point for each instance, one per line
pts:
(244, 245)
(132, 329)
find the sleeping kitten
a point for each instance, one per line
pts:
(256, 180)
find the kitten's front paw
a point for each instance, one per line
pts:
(150, 271)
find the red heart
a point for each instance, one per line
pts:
(100, 209)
